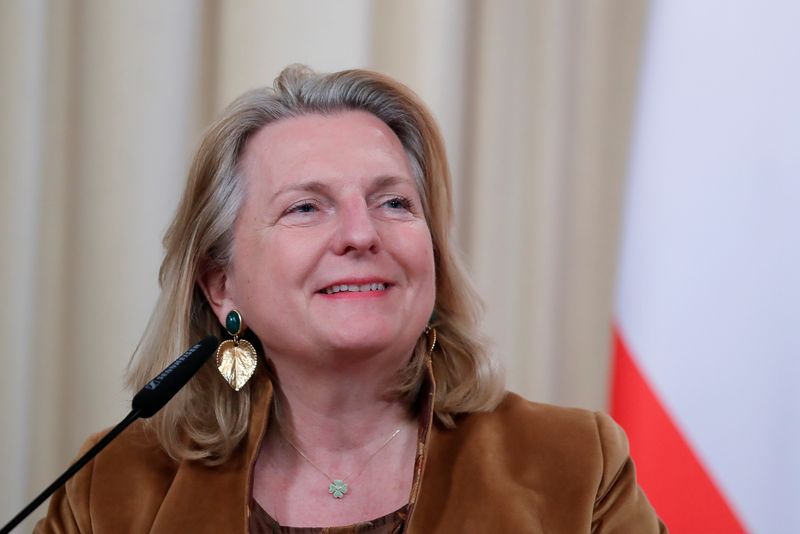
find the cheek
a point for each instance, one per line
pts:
(431, 278)
(427, 266)
(293, 257)
(419, 260)
(249, 280)
(424, 298)
(273, 266)
(268, 285)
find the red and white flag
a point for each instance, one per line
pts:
(706, 377)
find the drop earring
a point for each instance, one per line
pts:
(236, 358)
(430, 334)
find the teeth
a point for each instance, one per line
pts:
(354, 288)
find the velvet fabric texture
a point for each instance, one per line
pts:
(524, 467)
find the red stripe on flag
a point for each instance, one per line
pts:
(678, 486)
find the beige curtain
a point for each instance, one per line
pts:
(102, 103)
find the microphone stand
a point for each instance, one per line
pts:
(151, 398)
(74, 468)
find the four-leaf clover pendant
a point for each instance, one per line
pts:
(337, 488)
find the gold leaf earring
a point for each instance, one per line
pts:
(236, 358)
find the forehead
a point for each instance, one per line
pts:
(339, 146)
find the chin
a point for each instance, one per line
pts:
(362, 334)
(365, 342)
(359, 345)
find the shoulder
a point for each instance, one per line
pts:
(121, 477)
(135, 451)
(567, 469)
(587, 445)
(584, 441)
(566, 430)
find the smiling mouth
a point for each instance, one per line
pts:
(354, 288)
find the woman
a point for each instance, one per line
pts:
(352, 389)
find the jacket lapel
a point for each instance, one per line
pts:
(217, 498)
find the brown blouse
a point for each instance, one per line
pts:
(262, 523)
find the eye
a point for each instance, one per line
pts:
(399, 203)
(302, 207)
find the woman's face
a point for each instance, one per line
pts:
(332, 253)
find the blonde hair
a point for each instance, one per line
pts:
(207, 419)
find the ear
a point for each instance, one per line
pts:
(215, 285)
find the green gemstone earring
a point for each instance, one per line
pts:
(236, 358)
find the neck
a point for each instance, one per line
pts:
(341, 418)
(338, 408)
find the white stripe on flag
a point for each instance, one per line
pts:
(709, 293)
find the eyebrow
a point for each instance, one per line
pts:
(388, 181)
(315, 186)
(312, 186)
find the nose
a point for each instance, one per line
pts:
(356, 232)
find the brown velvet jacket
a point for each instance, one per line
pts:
(524, 467)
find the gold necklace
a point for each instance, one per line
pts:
(337, 487)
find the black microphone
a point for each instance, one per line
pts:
(150, 399)
(156, 393)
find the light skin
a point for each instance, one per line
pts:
(331, 201)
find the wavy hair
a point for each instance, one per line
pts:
(207, 420)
